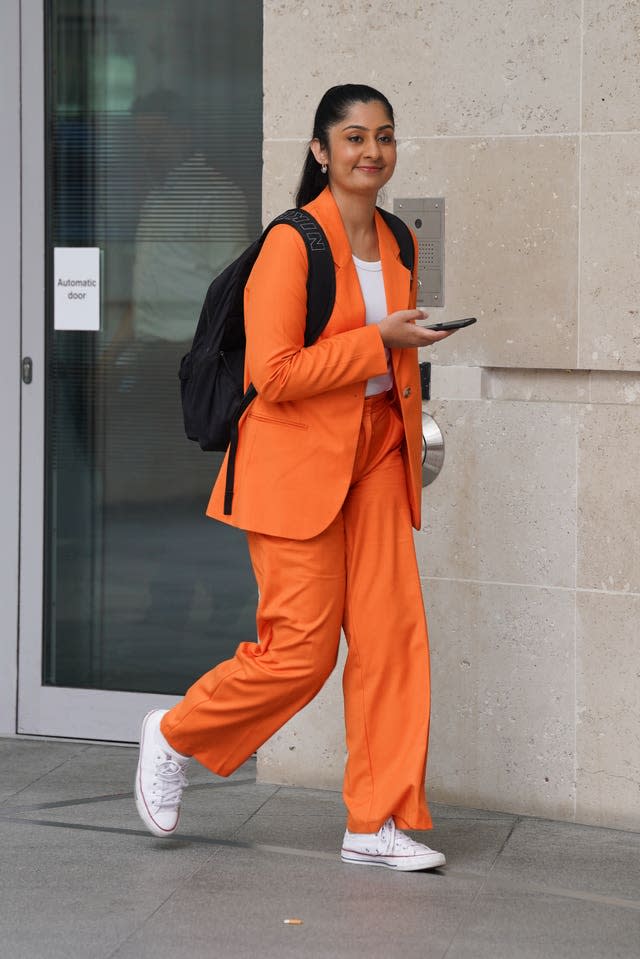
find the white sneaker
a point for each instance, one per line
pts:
(389, 847)
(160, 778)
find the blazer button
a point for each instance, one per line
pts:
(406, 392)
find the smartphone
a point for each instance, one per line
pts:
(453, 325)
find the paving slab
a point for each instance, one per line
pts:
(235, 906)
(73, 894)
(316, 820)
(518, 923)
(441, 811)
(24, 762)
(580, 858)
(211, 811)
(80, 878)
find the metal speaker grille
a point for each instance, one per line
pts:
(428, 254)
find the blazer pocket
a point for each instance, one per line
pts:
(265, 418)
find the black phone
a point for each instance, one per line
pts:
(453, 325)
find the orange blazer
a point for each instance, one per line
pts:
(297, 440)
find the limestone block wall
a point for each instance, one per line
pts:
(524, 114)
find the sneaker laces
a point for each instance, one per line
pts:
(169, 782)
(392, 839)
(387, 836)
(406, 844)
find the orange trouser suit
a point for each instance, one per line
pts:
(360, 574)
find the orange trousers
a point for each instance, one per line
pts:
(359, 574)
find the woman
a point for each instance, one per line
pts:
(328, 484)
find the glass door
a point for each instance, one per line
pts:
(141, 181)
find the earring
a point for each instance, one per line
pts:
(323, 168)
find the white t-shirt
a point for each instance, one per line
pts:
(375, 301)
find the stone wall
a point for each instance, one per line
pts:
(525, 116)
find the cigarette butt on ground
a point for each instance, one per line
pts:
(292, 922)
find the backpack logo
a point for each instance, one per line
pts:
(308, 226)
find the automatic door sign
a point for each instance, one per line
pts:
(76, 277)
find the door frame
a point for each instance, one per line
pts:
(47, 710)
(9, 357)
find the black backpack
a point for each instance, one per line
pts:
(212, 372)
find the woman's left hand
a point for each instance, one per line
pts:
(399, 330)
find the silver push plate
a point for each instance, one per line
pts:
(425, 216)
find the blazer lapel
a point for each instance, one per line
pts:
(325, 210)
(397, 287)
(397, 279)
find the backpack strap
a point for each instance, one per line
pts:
(250, 395)
(321, 295)
(321, 276)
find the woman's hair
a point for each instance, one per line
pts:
(333, 108)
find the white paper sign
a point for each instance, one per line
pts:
(76, 278)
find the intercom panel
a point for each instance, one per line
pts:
(425, 216)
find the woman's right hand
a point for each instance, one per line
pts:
(399, 330)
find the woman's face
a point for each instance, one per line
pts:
(361, 154)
